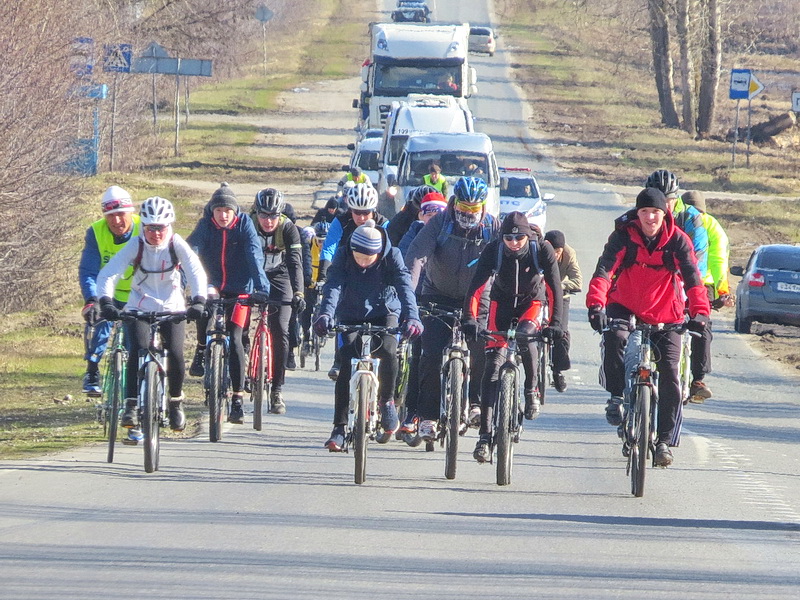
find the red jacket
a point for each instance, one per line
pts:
(653, 286)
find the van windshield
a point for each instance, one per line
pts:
(368, 160)
(453, 165)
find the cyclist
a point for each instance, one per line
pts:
(435, 179)
(689, 219)
(640, 272)
(367, 282)
(104, 238)
(718, 292)
(431, 204)
(316, 237)
(227, 243)
(158, 259)
(362, 205)
(329, 212)
(408, 214)
(523, 267)
(282, 248)
(571, 283)
(356, 176)
(447, 248)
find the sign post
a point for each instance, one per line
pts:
(264, 14)
(754, 89)
(116, 59)
(740, 84)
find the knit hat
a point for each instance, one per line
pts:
(696, 199)
(332, 202)
(366, 239)
(223, 197)
(516, 222)
(433, 201)
(556, 238)
(651, 198)
(116, 200)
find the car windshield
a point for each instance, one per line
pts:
(519, 187)
(368, 160)
(479, 31)
(453, 165)
(780, 261)
(400, 80)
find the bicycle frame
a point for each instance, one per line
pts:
(260, 365)
(114, 386)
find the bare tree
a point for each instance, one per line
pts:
(682, 25)
(711, 64)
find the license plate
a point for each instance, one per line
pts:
(782, 286)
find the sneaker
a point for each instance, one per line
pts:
(133, 438)
(559, 382)
(335, 443)
(664, 456)
(699, 392)
(474, 416)
(129, 416)
(532, 405)
(483, 449)
(197, 369)
(427, 430)
(236, 415)
(91, 384)
(389, 419)
(614, 411)
(248, 386)
(410, 424)
(177, 420)
(291, 364)
(334, 373)
(276, 404)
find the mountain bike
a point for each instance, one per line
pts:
(109, 409)
(315, 343)
(508, 410)
(152, 375)
(364, 419)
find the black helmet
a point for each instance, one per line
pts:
(663, 180)
(418, 193)
(269, 201)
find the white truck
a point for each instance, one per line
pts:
(413, 58)
(420, 114)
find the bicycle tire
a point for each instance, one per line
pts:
(260, 380)
(685, 369)
(454, 401)
(151, 417)
(302, 356)
(116, 391)
(216, 391)
(543, 348)
(505, 418)
(403, 371)
(360, 431)
(641, 443)
(317, 347)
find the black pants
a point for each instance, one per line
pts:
(701, 346)
(237, 362)
(384, 347)
(278, 322)
(490, 384)
(561, 360)
(172, 336)
(308, 313)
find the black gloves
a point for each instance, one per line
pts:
(259, 297)
(298, 302)
(107, 309)
(322, 325)
(412, 328)
(697, 323)
(196, 308)
(469, 328)
(91, 311)
(598, 318)
(552, 332)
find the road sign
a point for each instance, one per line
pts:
(117, 58)
(264, 14)
(755, 87)
(796, 102)
(740, 84)
(82, 60)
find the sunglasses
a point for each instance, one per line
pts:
(270, 216)
(469, 208)
(113, 205)
(432, 210)
(361, 213)
(155, 228)
(515, 237)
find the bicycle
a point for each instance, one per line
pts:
(544, 354)
(685, 371)
(109, 409)
(260, 363)
(508, 411)
(152, 374)
(364, 419)
(315, 343)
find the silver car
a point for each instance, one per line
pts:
(519, 191)
(482, 39)
(769, 291)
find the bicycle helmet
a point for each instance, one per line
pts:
(663, 180)
(157, 211)
(417, 194)
(321, 228)
(362, 197)
(471, 190)
(269, 201)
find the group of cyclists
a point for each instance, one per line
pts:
(664, 259)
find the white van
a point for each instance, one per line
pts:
(420, 114)
(458, 155)
(365, 157)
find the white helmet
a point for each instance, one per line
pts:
(157, 211)
(362, 197)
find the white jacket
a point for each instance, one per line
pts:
(155, 290)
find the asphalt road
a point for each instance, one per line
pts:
(272, 515)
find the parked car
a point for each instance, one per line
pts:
(365, 157)
(519, 191)
(365, 134)
(769, 291)
(411, 12)
(482, 39)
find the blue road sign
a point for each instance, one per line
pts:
(740, 84)
(117, 58)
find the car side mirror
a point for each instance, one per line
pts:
(355, 102)
(351, 146)
(346, 168)
(738, 271)
(548, 197)
(391, 179)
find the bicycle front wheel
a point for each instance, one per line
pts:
(151, 417)
(641, 441)
(453, 392)
(360, 431)
(260, 380)
(114, 401)
(216, 392)
(506, 416)
(317, 347)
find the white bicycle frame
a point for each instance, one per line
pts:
(365, 372)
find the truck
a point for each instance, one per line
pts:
(413, 58)
(421, 113)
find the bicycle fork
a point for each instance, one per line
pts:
(364, 370)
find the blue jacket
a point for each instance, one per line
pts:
(232, 258)
(690, 220)
(342, 227)
(409, 236)
(356, 295)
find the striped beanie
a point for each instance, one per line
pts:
(366, 239)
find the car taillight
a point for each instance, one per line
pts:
(756, 280)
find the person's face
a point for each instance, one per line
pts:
(426, 215)
(434, 175)
(268, 222)
(361, 216)
(651, 220)
(224, 216)
(365, 260)
(119, 223)
(559, 253)
(527, 190)
(331, 211)
(671, 201)
(515, 241)
(156, 234)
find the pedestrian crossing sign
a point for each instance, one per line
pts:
(117, 58)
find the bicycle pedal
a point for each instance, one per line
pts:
(129, 442)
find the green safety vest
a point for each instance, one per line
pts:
(439, 185)
(107, 247)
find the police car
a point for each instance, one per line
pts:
(520, 192)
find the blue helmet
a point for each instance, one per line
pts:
(472, 190)
(321, 228)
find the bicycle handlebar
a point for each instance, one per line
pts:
(153, 316)
(626, 325)
(433, 310)
(366, 328)
(514, 334)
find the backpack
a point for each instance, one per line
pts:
(632, 249)
(137, 262)
(534, 249)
